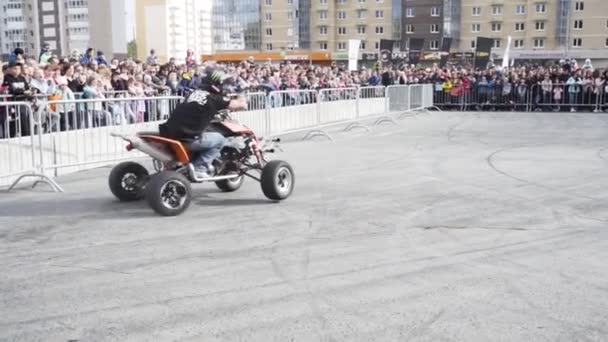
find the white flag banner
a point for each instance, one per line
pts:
(353, 53)
(505, 58)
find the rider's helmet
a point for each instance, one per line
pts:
(216, 80)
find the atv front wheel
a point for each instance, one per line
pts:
(128, 180)
(168, 193)
(230, 185)
(277, 180)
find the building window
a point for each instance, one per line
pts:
(473, 44)
(341, 15)
(541, 8)
(518, 43)
(434, 45)
(269, 46)
(269, 32)
(377, 45)
(497, 10)
(290, 15)
(361, 29)
(409, 12)
(435, 11)
(577, 42)
(540, 26)
(341, 2)
(579, 6)
(606, 42)
(323, 46)
(475, 27)
(496, 27)
(539, 43)
(520, 27)
(434, 28)
(323, 30)
(379, 29)
(323, 15)
(409, 28)
(379, 14)
(361, 14)
(497, 43)
(323, 2)
(342, 30)
(341, 46)
(268, 16)
(520, 9)
(362, 45)
(268, 2)
(578, 24)
(476, 11)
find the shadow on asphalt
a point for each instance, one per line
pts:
(109, 207)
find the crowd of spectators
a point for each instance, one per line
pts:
(562, 86)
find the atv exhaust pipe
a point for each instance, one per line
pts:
(141, 145)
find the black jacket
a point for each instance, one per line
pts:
(16, 86)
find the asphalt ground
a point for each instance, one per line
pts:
(445, 227)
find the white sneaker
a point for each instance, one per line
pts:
(201, 173)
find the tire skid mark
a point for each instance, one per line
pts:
(490, 162)
(504, 248)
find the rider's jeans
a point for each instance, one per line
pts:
(210, 145)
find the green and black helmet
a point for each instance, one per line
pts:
(215, 79)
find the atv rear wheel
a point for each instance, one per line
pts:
(230, 185)
(277, 180)
(168, 193)
(128, 180)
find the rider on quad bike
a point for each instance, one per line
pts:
(190, 119)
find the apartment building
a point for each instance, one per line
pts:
(29, 24)
(14, 27)
(113, 42)
(540, 29)
(324, 26)
(333, 23)
(423, 19)
(587, 35)
(75, 24)
(172, 27)
(531, 23)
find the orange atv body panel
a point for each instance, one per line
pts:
(178, 148)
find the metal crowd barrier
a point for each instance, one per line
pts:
(372, 101)
(557, 97)
(567, 97)
(69, 136)
(20, 154)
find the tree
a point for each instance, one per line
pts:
(132, 49)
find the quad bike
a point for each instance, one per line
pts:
(168, 191)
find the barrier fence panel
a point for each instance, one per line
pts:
(67, 148)
(255, 117)
(291, 110)
(16, 142)
(337, 105)
(372, 101)
(427, 96)
(397, 98)
(415, 96)
(482, 96)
